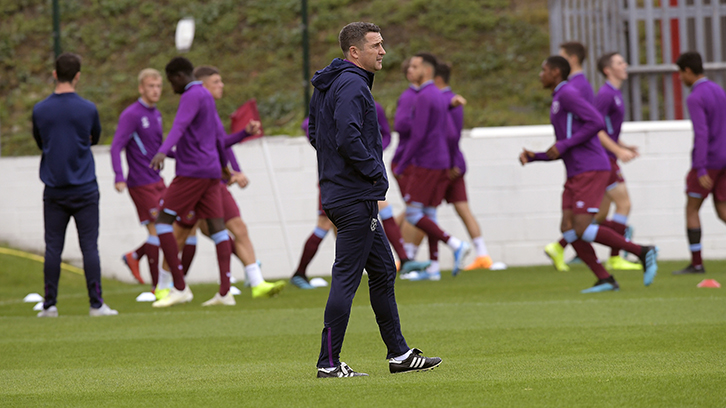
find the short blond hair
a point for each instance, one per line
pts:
(148, 72)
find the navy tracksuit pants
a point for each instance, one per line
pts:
(360, 244)
(57, 211)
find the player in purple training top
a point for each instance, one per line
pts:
(575, 54)
(426, 160)
(707, 108)
(139, 133)
(456, 191)
(576, 125)
(241, 243)
(200, 164)
(609, 102)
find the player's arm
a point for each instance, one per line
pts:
(121, 139)
(95, 127)
(605, 105)
(402, 119)
(36, 133)
(528, 156)
(350, 103)
(592, 123)
(187, 111)
(383, 125)
(700, 135)
(419, 126)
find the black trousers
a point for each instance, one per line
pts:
(58, 210)
(360, 244)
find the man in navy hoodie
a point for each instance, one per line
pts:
(64, 127)
(344, 130)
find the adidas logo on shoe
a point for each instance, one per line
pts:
(414, 362)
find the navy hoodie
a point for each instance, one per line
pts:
(344, 130)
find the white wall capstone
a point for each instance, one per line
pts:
(518, 207)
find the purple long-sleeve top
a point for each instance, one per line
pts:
(457, 121)
(402, 120)
(430, 126)
(576, 126)
(140, 133)
(383, 125)
(579, 81)
(200, 149)
(707, 107)
(609, 102)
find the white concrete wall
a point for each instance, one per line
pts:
(518, 207)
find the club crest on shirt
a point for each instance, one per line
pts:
(618, 101)
(374, 223)
(154, 212)
(144, 122)
(555, 107)
(580, 204)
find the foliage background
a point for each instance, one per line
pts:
(495, 46)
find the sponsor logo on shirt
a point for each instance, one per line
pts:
(144, 122)
(555, 107)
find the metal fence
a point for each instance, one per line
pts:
(650, 34)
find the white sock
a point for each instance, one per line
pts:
(434, 267)
(410, 249)
(403, 356)
(254, 274)
(166, 281)
(453, 243)
(480, 246)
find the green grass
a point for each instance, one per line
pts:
(518, 338)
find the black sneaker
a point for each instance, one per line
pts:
(414, 362)
(343, 370)
(690, 270)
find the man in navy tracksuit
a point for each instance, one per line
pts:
(64, 127)
(344, 130)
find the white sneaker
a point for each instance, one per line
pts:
(49, 312)
(409, 276)
(104, 310)
(226, 300)
(174, 297)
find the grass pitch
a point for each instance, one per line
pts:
(524, 337)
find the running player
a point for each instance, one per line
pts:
(575, 53)
(200, 163)
(707, 108)
(242, 245)
(576, 125)
(426, 161)
(140, 134)
(609, 102)
(456, 191)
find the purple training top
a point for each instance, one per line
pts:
(140, 133)
(457, 121)
(609, 102)
(576, 126)
(384, 126)
(402, 120)
(707, 107)
(430, 127)
(195, 133)
(579, 81)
